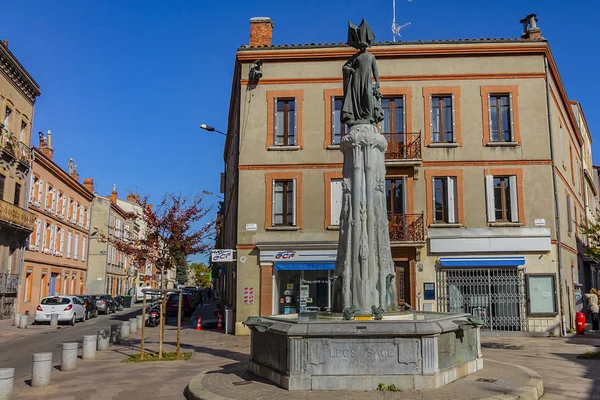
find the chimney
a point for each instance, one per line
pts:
(75, 175)
(114, 194)
(6, 44)
(261, 31)
(530, 28)
(46, 145)
(88, 183)
(131, 198)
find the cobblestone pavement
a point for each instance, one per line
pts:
(224, 356)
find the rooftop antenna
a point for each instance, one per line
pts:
(395, 27)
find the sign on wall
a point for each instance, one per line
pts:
(249, 295)
(298, 255)
(222, 255)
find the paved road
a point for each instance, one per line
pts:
(16, 352)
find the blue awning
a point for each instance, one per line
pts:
(482, 261)
(295, 266)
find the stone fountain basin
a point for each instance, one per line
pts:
(412, 350)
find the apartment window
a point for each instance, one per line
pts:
(396, 196)
(2, 181)
(17, 199)
(69, 238)
(445, 208)
(562, 145)
(40, 187)
(338, 129)
(284, 203)
(7, 115)
(501, 121)
(442, 119)
(336, 201)
(38, 234)
(76, 250)
(502, 203)
(83, 248)
(285, 122)
(570, 219)
(22, 133)
(62, 242)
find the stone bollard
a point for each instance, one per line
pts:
(16, 319)
(23, 320)
(132, 325)
(41, 369)
(140, 322)
(53, 319)
(115, 333)
(124, 329)
(7, 378)
(68, 362)
(89, 347)
(103, 339)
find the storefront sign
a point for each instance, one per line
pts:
(222, 256)
(324, 256)
(249, 295)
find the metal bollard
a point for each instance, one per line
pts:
(124, 329)
(115, 333)
(89, 347)
(68, 361)
(53, 319)
(41, 369)
(7, 378)
(132, 325)
(23, 320)
(16, 319)
(103, 339)
(140, 322)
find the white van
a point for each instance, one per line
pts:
(139, 295)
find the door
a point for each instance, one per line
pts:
(402, 270)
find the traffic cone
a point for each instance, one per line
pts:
(199, 326)
(220, 322)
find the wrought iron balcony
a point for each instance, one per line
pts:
(403, 147)
(406, 228)
(15, 216)
(9, 283)
(17, 149)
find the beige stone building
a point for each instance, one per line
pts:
(56, 258)
(481, 136)
(18, 92)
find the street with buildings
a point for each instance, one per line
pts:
(489, 181)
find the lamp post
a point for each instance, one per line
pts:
(211, 129)
(213, 194)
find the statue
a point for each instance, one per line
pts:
(364, 259)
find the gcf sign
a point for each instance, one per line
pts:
(218, 256)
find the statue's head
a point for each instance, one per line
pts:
(360, 37)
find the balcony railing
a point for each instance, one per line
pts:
(403, 146)
(406, 227)
(10, 143)
(15, 216)
(9, 283)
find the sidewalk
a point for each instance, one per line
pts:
(222, 359)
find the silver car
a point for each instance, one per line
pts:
(69, 309)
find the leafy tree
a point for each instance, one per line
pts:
(182, 273)
(201, 274)
(169, 236)
(592, 232)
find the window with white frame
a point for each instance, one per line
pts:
(445, 207)
(38, 234)
(336, 201)
(53, 250)
(502, 198)
(338, 129)
(76, 249)
(62, 242)
(284, 203)
(83, 248)
(75, 211)
(501, 117)
(80, 216)
(285, 122)
(570, 219)
(69, 242)
(118, 228)
(442, 118)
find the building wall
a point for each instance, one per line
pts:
(98, 253)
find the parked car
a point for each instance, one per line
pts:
(194, 295)
(91, 310)
(187, 307)
(69, 309)
(105, 303)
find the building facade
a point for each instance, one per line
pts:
(481, 134)
(108, 269)
(56, 258)
(18, 92)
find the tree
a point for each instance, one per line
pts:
(201, 274)
(182, 273)
(592, 232)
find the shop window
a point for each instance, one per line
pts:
(541, 293)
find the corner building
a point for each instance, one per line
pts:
(480, 133)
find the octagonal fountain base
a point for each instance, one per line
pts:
(411, 350)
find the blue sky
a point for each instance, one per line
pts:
(126, 84)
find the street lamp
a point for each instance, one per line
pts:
(213, 194)
(211, 129)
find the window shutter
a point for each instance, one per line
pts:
(32, 237)
(44, 237)
(294, 205)
(514, 203)
(275, 127)
(404, 195)
(512, 119)
(83, 245)
(453, 122)
(432, 211)
(39, 189)
(404, 117)
(489, 195)
(336, 201)
(431, 116)
(272, 203)
(333, 121)
(489, 96)
(451, 200)
(76, 250)
(46, 205)
(54, 201)
(32, 189)
(295, 122)
(52, 239)
(38, 234)
(62, 241)
(69, 239)
(64, 205)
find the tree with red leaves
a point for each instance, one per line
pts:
(168, 236)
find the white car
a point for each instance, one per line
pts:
(69, 309)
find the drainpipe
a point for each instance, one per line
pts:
(563, 322)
